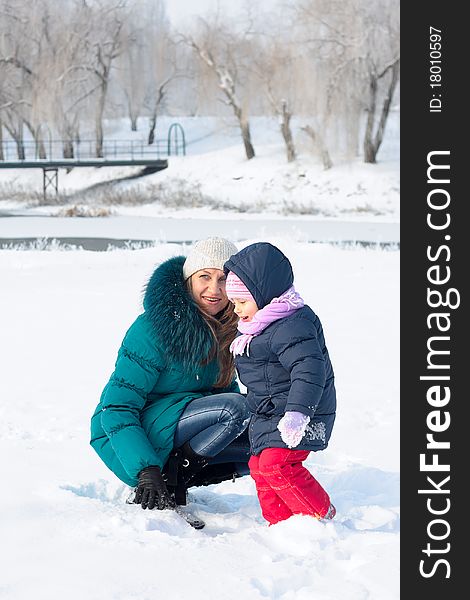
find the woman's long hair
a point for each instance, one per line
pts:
(224, 329)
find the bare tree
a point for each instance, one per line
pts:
(332, 65)
(41, 66)
(163, 68)
(274, 67)
(42, 27)
(319, 142)
(63, 81)
(2, 154)
(134, 91)
(220, 50)
(373, 140)
(356, 43)
(105, 46)
(132, 65)
(15, 127)
(16, 66)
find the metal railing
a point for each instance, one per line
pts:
(83, 149)
(52, 149)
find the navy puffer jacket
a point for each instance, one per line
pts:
(288, 367)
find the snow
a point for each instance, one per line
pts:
(66, 529)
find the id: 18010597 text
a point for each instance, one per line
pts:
(435, 69)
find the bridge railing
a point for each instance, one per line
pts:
(86, 149)
(52, 149)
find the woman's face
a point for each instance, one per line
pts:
(208, 290)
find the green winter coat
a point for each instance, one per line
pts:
(157, 372)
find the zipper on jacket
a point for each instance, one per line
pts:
(250, 431)
(268, 383)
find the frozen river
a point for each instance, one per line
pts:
(98, 233)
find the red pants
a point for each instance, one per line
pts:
(284, 485)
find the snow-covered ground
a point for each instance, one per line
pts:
(66, 530)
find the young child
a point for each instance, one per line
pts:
(282, 359)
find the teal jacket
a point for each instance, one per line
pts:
(157, 372)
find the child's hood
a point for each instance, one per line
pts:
(264, 269)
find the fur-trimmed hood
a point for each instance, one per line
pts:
(178, 325)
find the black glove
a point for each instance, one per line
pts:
(151, 490)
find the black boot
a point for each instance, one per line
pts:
(191, 464)
(181, 468)
(216, 474)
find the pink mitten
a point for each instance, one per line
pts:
(292, 427)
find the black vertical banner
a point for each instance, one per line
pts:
(435, 457)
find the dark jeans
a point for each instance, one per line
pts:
(216, 426)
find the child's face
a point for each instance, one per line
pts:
(244, 309)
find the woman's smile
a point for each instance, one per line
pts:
(211, 299)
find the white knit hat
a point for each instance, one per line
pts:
(211, 253)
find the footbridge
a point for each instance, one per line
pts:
(52, 154)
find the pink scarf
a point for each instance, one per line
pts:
(278, 308)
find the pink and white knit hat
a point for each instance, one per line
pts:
(235, 288)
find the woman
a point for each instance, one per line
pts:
(171, 416)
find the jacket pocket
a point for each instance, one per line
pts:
(268, 407)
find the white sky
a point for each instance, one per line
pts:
(180, 11)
